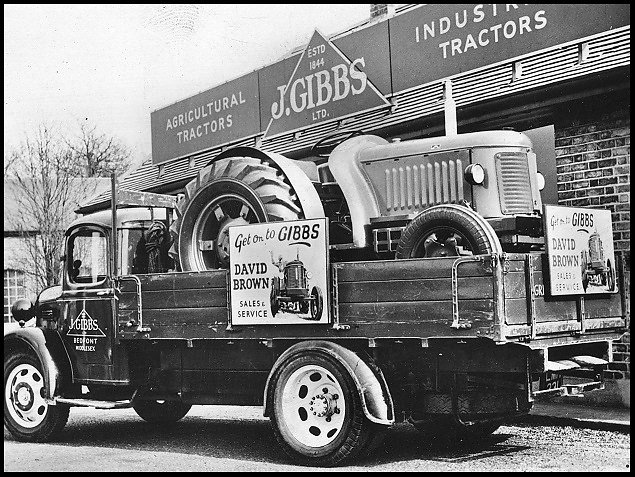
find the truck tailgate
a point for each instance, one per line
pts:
(533, 316)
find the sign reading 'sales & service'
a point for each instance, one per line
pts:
(278, 273)
(580, 250)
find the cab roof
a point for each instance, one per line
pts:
(133, 214)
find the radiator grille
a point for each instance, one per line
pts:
(417, 186)
(514, 182)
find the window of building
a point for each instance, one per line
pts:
(13, 290)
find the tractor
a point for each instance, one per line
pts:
(463, 194)
(291, 293)
(595, 270)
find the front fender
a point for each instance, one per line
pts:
(371, 385)
(48, 348)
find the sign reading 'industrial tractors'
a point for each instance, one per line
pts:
(278, 273)
(580, 250)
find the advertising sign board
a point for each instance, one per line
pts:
(325, 85)
(580, 250)
(278, 273)
(220, 115)
(435, 41)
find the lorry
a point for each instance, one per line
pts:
(435, 299)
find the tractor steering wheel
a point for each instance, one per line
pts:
(324, 146)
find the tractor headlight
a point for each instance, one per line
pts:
(541, 181)
(475, 174)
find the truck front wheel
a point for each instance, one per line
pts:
(27, 415)
(161, 412)
(317, 412)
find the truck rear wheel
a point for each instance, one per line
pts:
(317, 413)
(161, 412)
(447, 230)
(230, 191)
(27, 415)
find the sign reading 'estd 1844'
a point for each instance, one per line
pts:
(278, 273)
(580, 250)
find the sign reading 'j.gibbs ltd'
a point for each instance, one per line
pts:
(325, 85)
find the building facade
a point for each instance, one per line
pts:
(22, 238)
(559, 72)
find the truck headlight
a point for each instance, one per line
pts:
(541, 180)
(475, 174)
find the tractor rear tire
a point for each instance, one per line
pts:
(447, 230)
(230, 191)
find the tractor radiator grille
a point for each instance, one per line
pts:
(414, 187)
(514, 182)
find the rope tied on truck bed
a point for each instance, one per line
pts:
(152, 250)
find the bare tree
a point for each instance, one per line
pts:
(46, 194)
(96, 154)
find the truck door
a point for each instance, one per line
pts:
(89, 308)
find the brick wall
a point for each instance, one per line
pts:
(593, 166)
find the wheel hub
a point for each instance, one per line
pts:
(324, 405)
(23, 396)
(446, 248)
(222, 243)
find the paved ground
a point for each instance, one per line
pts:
(228, 438)
(581, 416)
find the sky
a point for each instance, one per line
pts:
(112, 65)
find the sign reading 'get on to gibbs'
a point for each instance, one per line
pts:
(278, 273)
(580, 250)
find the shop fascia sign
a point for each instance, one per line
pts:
(325, 85)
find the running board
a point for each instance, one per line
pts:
(92, 403)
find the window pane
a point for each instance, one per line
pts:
(13, 290)
(89, 263)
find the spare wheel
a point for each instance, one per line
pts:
(447, 230)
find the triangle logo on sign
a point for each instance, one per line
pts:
(324, 86)
(84, 326)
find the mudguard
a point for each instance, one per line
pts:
(371, 385)
(298, 173)
(50, 351)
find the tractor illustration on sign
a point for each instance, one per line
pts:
(291, 292)
(595, 270)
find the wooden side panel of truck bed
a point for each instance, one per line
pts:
(387, 299)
